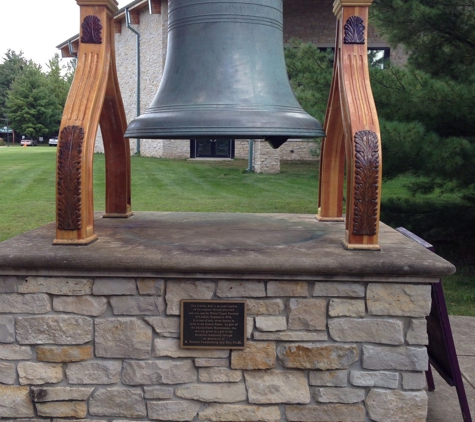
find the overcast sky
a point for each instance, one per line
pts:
(36, 27)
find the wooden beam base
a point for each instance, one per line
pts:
(329, 219)
(360, 246)
(118, 215)
(78, 242)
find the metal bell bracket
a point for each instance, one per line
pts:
(353, 134)
(94, 98)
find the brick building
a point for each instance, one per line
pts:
(308, 20)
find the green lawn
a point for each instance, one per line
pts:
(27, 184)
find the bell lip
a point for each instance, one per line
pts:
(207, 134)
(237, 125)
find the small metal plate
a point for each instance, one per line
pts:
(213, 324)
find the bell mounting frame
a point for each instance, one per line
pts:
(353, 136)
(94, 99)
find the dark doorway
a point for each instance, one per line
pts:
(212, 148)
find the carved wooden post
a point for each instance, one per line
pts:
(352, 129)
(94, 99)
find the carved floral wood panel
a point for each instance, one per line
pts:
(354, 31)
(69, 178)
(91, 30)
(366, 183)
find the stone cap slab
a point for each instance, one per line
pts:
(177, 244)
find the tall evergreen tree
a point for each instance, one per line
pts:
(58, 82)
(31, 107)
(428, 114)
(439, 35)
(13, 64)
(310, 74)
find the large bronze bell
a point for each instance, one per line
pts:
(225, 76)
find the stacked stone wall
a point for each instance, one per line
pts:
(265, 159)
(292, 150)
(107, 348)
(177, 148)
(299, 150)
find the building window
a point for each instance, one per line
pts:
(212, 148)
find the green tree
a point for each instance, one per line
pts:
(310, 75)
(439, 35)
(12, 65)
(70, 70)
(31, 107)
(427, 111)
(59, 84)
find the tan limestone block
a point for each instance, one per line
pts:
(346, 307)
(329, 378)
(94, 372)
(271, 323)
(236, 288)
(398, 299)
(213, 393)
(396, 405)
(219, 375)
(58, 394)
(338, 395)
(164, 325)
(273, 387)
(240, 413)
(64, 353)
(210, 362)
(307, 314)
(65, 409)
(403, 358)
(317, 356)
(413, 380)
(122, 338)
(151, 286)
(179, 290)
(368, 330)
(254, 356)
(14, 303)
(287, 288)
(125, 402)
(326, 413)
(57, 285)
(16, 402)
(82, 305)
(39, 373)
(172, 410)
(15, 352)
(338, 288)
(264, 307)
(7, 373)
(54, 329)
(417, 332)
(291, 336)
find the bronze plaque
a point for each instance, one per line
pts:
(213, 324)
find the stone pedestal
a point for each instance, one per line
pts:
(333, 335)
(266, 159)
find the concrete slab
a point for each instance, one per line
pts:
(151, 243)
(467, 366)
(443, 402)
(463, 330)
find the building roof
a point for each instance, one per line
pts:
(69, 48)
